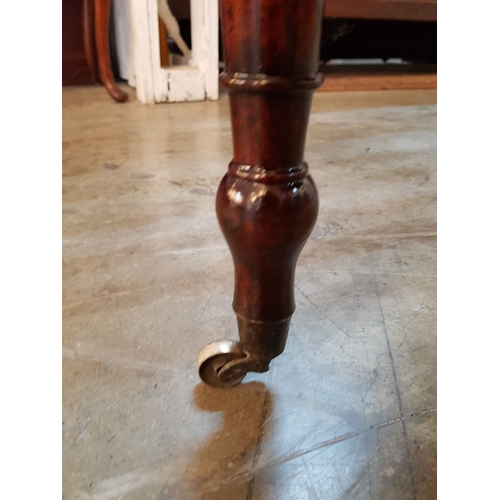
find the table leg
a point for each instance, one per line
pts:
(102, 11)
(267, 203)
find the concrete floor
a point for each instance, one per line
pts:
(349, 410)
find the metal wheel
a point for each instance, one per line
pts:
(214, 357)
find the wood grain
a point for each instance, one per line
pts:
(379, 77)
(267, 202)
(396, 10)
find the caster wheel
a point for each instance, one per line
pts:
(214, 357)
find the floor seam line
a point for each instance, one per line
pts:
(321, 311)
(398, 392)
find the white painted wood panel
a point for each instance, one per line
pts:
(196, 82)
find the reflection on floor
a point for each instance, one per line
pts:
(349, 410)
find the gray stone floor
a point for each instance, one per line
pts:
(349, 410)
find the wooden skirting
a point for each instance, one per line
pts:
(379, 77)
(395, 10)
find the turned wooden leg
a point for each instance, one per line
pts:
(267, 203)
(102, 10)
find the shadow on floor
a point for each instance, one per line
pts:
(223, 466)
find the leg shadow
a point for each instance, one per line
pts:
(223, 466)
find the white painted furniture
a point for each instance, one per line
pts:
(196, 81)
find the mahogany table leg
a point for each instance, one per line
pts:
(102, 10)
(267, 203)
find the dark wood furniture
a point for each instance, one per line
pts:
(96, 19)
(86, 52)
(267, 202)
(370, 29)
(395, 10)
(75, 70)
(400, 10)
(85, 36)
(383, 30)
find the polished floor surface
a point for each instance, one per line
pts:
(349, 410)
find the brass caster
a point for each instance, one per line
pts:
(217, 367)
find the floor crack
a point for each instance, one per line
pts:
(398, 392)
